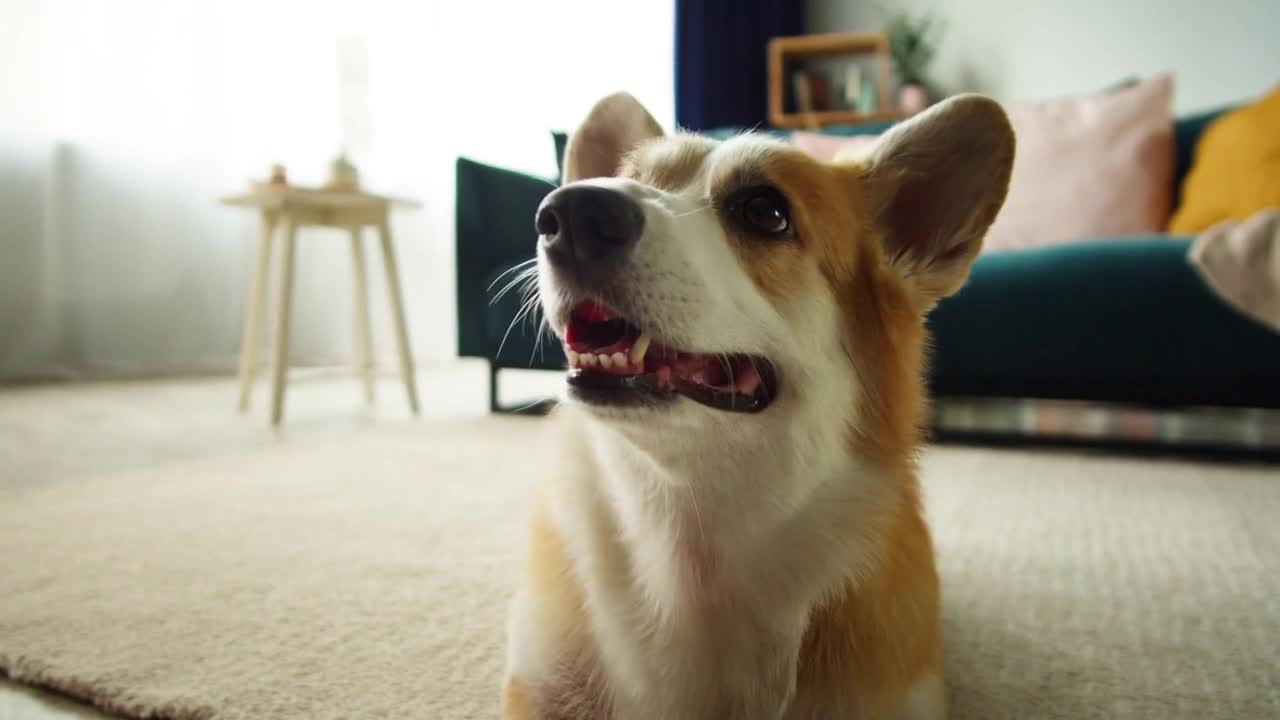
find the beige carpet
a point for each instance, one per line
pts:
(366, 578)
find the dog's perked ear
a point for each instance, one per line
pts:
(938, 181)
(615, 126)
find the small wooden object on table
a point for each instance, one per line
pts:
(784, 50)
(290, 208)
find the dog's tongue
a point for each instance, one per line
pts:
(594, 327)
(598, 332)
(747, 380)
(709, 371)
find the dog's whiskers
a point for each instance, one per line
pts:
(510, 270)
(524, 309)
(528, 276)
(541, 328)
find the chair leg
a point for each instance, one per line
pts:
(284, 309)
(397, 312)
(364, 340)
(254, 309)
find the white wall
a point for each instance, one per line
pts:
(1220, 51)
(29, 329)
(122, 122)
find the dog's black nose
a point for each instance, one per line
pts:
(587, 225)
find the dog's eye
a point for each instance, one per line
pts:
(763, 211)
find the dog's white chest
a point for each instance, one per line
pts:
(700, 586)
(706, 658)
(684, 636)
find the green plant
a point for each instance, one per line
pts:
(913, 41)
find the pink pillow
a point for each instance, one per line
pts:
(1092, 166)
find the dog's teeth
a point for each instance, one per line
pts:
(638, 350)
(573, 358)
(606, 361)
(587, 360)
(619, 360)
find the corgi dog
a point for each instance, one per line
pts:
(733, 526)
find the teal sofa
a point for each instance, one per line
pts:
(1113, 320)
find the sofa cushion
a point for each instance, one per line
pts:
(1186, 133)
(1241, 262)
(1089, 166)
(1236, 171)
(832, 141)
(1115, 319)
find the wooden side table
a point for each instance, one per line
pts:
(291, 208)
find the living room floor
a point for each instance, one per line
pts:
(67, 433)
(57, 434)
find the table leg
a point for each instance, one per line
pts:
(364, 340)
(255, 307)
(284, 308)
(397, 312)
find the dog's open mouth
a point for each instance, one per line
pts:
(611, 361)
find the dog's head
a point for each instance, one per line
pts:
(697, 283)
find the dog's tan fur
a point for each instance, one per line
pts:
(835, 613)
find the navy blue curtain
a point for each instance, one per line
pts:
(720, 58)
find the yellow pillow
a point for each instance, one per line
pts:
(1236, 171)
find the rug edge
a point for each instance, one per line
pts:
(102, 696)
